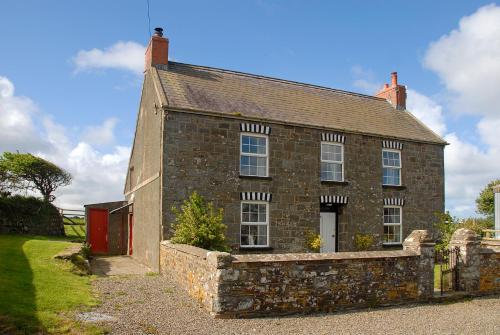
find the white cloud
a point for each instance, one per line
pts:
(427, 111)
(121, 55)
(102, 134)
(97, 176)
(467, 61)
(468, 170)
(17, 128)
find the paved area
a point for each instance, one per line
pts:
(117, 266)
(155, 305)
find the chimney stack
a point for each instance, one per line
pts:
(157, 50)
(396, 94)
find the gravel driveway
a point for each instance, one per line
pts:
(154, 305)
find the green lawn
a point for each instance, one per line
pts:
(37, 292)
(75, 232)
(437, 278)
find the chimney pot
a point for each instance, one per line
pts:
(395, 94)
(159, 31)
(394, 79)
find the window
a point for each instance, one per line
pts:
(391, 162)
(332, 162)
(392, 225)
(253, 155)
(254, 224)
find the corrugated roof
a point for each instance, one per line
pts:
(199, 88)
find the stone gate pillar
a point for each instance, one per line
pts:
(469, 244)
(421, 242)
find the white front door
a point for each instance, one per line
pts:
(327, 231)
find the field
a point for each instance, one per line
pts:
(75, 231)
(38, 293)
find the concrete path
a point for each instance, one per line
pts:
(117, 265)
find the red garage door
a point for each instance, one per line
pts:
(98, 235)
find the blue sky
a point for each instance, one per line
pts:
(82, 104)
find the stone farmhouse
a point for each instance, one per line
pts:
(282, 159)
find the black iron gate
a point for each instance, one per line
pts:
(447, 269)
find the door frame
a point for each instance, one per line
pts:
(130, 233)
(332, 208)
(90, 233)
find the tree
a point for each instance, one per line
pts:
(198, 224)
(26, 171)
(486, 200)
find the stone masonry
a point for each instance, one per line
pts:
(479, 265)
(208, 162)
(277, 284)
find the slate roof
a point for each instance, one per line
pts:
(205, 89)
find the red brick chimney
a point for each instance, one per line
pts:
(157, 51)
(395, 93)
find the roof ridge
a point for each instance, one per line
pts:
(284, 81)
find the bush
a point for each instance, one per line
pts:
(199, 225)
(363, 242)
(29, 215)
(313, 242)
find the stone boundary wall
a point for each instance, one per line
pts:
(278, 284)
(480, 262)
(195, 269)
(30, 216)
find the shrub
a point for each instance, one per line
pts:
(29, 215)
(313, 242)
(363, 242)
(446, 225)
(85, 251)
(197, 223)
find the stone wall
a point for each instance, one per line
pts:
(191, 268)
(29, 215)
(479, 265)
(208, 162)
(277, 284)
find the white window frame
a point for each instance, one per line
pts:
(329, 161)
(266, 155)
(400, 168)
(400, 224)
(255, 223)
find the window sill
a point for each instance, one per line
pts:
(332, 182)
(392, 245)
(255, 177)
(255, 248)
(394, 187)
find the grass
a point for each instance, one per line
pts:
(75, 232)
(437, 278)
(39, 293)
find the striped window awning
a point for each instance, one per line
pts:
(392, 145)
(394, 202)
(333, 199)
(330, 137)
(255, 128)
(259, 196)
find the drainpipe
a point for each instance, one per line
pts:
(496, 190)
